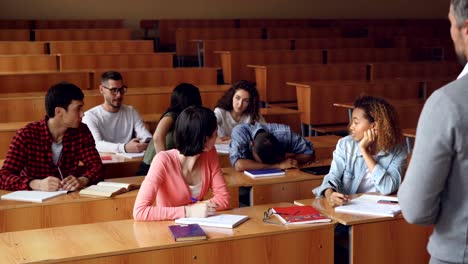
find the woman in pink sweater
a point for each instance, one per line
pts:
(179, 178)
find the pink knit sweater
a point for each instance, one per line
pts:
(164, 192)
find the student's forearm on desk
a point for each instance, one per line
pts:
(247, 164)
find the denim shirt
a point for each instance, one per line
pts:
(348, 168)
(243, 135)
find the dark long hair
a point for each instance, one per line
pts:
(183, 96)
(225, 102)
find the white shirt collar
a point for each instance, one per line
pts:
(464, 72)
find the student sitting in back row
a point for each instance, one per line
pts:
(183, 96)
(45, 155)
(262, 146)
(179, 178)
(116, 127)
(371, 159)
(239, 105)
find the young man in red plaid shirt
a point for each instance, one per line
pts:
(45, 155)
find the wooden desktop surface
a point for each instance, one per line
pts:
(409, 132)
(74, 208)
(129, 241)
(376, 239)
(289, 187)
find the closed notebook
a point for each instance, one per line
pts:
(264, 173)
(369, 205)
(187, 232)
(221, 220)
(109, 189)
(32, 196)
(293, 215)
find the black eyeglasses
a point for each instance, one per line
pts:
(115, 91)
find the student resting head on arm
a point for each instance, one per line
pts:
(180, 177)
(371, 159)
(239, 105)
(183, 96)
(261, 146)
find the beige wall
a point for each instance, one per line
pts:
(133, 11)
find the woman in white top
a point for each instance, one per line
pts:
(240, 104)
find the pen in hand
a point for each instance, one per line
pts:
(333, 185)
(60, 172)
(344, 198)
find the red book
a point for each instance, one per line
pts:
(106, 157)
(292, 215)
(187, 232)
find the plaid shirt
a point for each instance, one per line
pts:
(30, 156)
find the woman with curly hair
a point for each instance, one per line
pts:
(240, 104)
(371, 159)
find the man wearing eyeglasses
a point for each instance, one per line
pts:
(116, 127)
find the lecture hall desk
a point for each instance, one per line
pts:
(128, 241)
(74, 208)
(116, 168)
(289, 187)
(376, 239)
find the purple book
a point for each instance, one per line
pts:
(187, 232)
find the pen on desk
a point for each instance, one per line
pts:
(387, 202)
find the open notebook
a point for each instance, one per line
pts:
(370, 205)
(109, 189)
(222, 220)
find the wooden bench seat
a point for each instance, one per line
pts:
(271, 79)
(296, 32)
(23, 48)
(234, 63)
(115, 61)
(163, 76)
(209, 46)
(82, 34)
(333, 43)
(28, 63)
(101, 46)
(14, 35)
(78, 23)
(20, 82)
(184, 35)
